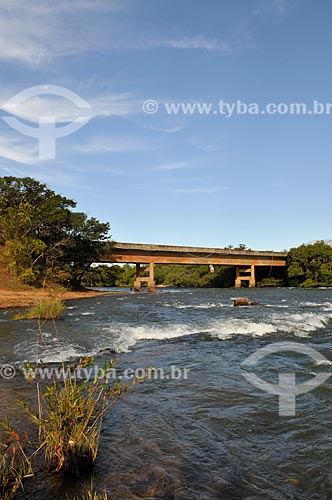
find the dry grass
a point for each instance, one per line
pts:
(69, 417)
(26, 298)
(14, 464)
(91, 495)
(45, 309)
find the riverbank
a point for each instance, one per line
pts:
(10, 298)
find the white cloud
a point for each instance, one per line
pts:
(200, 190)
(173, 166)
(17, 148)
(17, 151)
(171, 130)
(115, 144)
(64, 110)
(50, 176)
(274, 8)
(37, 31)
(187, 42)
(198, 42)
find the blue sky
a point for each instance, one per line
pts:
(177, 179)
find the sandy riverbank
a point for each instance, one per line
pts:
(24, 298)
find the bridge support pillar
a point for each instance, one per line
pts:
(149, 279)
(238, 277)
(137, 282)
(151, 282)
(242, 274)
(252, 280)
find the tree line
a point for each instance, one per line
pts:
(178, 275)
(45, 240)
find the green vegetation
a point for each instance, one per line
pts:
(70, 413)
(90, 495)
(268, 282)
(110, 276)
(177, 275)
(14, 464)
(194, 275)
(69, 419)
(44, 239)
(44, 309)
(307, 266)
(310, 265)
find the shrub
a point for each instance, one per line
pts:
(44, 309)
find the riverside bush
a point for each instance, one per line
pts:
(45, 309)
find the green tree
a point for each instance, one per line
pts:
(194, 275)
(104, 276)
(127, 277)
(44, 238)
(310, 265)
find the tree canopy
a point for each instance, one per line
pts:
(44, 238)
(310, 265)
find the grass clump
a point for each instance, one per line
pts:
(71, 427)
(91, 495)
(45, 309)
(14, 464)
(69, 417)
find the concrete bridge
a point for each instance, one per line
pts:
(245, 261)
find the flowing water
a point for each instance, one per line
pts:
(209, 434)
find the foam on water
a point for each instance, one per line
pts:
(202, 306)
(300, 325)
(49, 353)
(326, 306)
(64, 354)
(125, 336)
(217, 319)
(324, 362)
(224, 330)
(277, 306)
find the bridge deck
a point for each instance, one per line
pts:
(166, 254)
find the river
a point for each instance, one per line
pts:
(202, 431)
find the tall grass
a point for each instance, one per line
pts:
(69, 415)
(71, 426)
(14, 464)
(90, 495)
(69, 418)
(45, 309)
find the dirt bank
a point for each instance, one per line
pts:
(24, 298)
